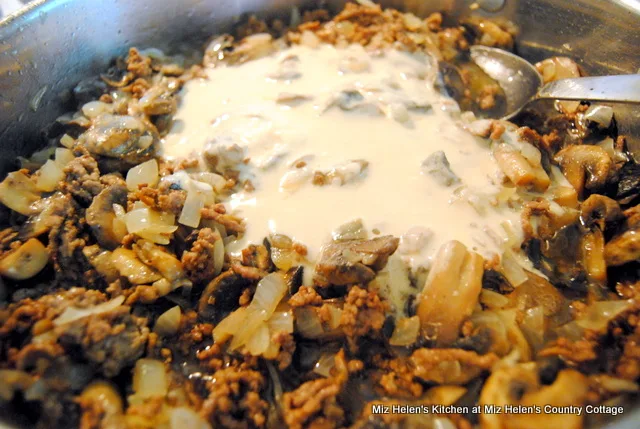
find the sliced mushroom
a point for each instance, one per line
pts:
(519, 386)
(454, 282)
(102, 261)
(221, 296)
(24, 262)
(19, 192)
(121, 138)
(129, 266)
(450, 366)
(523, 171)
(354, 261)
(100, 215)
(164, 262)
(585, 166)
(538, 292)
(600, 210)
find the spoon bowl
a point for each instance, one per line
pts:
(518, 78)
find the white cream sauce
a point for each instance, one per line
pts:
(403, 121)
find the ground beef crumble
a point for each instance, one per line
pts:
(198, 260)
(314, 403)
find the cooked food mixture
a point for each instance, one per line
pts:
(304, 230)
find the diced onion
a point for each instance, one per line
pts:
(598, 315)
(259, 341)
(50, 175)
(63, 157)
(137, 220)
(190, 215)
(149, 378)
(93, 109)
(406, 331)
(493, 300)
(67, 141)
(308, 323)
(186, 418)
(512, 269)
(269, 292)
(281, 321)
(325, 364)
(149, 224)
(71, 314)
(168, 322)
(533, 326)
(229, 325)
(218, 256)
(145, 173)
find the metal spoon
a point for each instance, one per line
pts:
(522, 84)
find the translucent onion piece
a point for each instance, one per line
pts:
(259, 341)
(230, 325)
(254, 320)
(145, 173)
(149, 378)
(308, 323)
(50, 175)
(190, 215)
(168, 322)
(63, 157)
(67, 141)
(406, 331)
(281, 321)
(137, 220)
(218, 256)
(512, 269)
(325, 364)
(269, 292)
(598, 315)
(533, 326)
(186, 418)
(493, 300)
(71, 314)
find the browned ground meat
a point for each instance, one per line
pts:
(82, 177)
(234, 398)
(314, 404)
(305, 296)
(233, 224)
(363, 314)
(198, 259)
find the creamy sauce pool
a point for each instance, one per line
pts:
(367, 123)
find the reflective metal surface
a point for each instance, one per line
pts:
(518, 78)
(48, 48)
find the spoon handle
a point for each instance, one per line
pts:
(619, 88)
